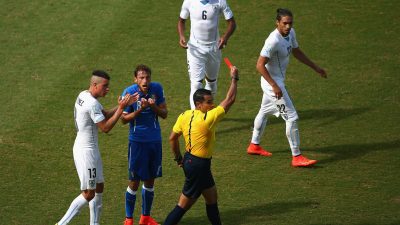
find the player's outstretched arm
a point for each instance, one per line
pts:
(299, 55)
(108, 123)
(231, 94)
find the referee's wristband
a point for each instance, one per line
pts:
(235, 78)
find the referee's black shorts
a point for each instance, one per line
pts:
(198, 175)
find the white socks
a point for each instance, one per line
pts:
(194, 86)
(95, 206)
(292, 134)
(212, 86)
(259, 126)
(74, 209)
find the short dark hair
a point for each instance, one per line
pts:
(142, 67)
(101, 73)
(280, 12)
(199, 94)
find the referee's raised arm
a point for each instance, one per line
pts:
(231, 94)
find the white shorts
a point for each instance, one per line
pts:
(272, 106)
(89, 167)
(203, 60)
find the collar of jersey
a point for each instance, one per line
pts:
(204, 2)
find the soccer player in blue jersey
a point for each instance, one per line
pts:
(145, 149)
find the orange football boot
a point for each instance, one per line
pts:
(301, 161)
(254, 149)
(128, 221)
(147, 220)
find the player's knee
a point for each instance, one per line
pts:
(134, 185)
(212, 86)
(99, 187)
(88, 194)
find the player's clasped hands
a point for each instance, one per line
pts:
(147, 102)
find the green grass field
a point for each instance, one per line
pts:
(349, 122)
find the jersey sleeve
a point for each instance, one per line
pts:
(226, 10)
(185, 10)
(96, 113)
(268, 49)
(294, 40)
(177, 128)
(160, 95)
(214, 116)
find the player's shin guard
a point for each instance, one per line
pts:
(212, 86)
(292, 134)
(194, 86)
(74, 209)
(174, 216)
(147, 200)
(259, 126)
(213, 214)
(130, 200)
(95, 206)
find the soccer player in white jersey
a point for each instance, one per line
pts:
(272, 64)
(89, 116)
(205, 44)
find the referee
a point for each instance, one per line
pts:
(198, 129)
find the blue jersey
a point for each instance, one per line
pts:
(145, 127)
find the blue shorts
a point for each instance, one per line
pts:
(198, 175)
(144, 160)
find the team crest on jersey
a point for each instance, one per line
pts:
(80, 102)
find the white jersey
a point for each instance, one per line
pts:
(277, 49)
(88, 112)
(204, 17)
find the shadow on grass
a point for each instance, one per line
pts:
(251, 214)
(351, 151)
(326, 116)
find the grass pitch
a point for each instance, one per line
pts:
(349, 122)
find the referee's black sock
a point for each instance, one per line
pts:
(174, 216)
(213, 214)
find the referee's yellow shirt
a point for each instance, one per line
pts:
(198, 130)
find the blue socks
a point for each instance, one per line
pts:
(147, 200)
(130, 199)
